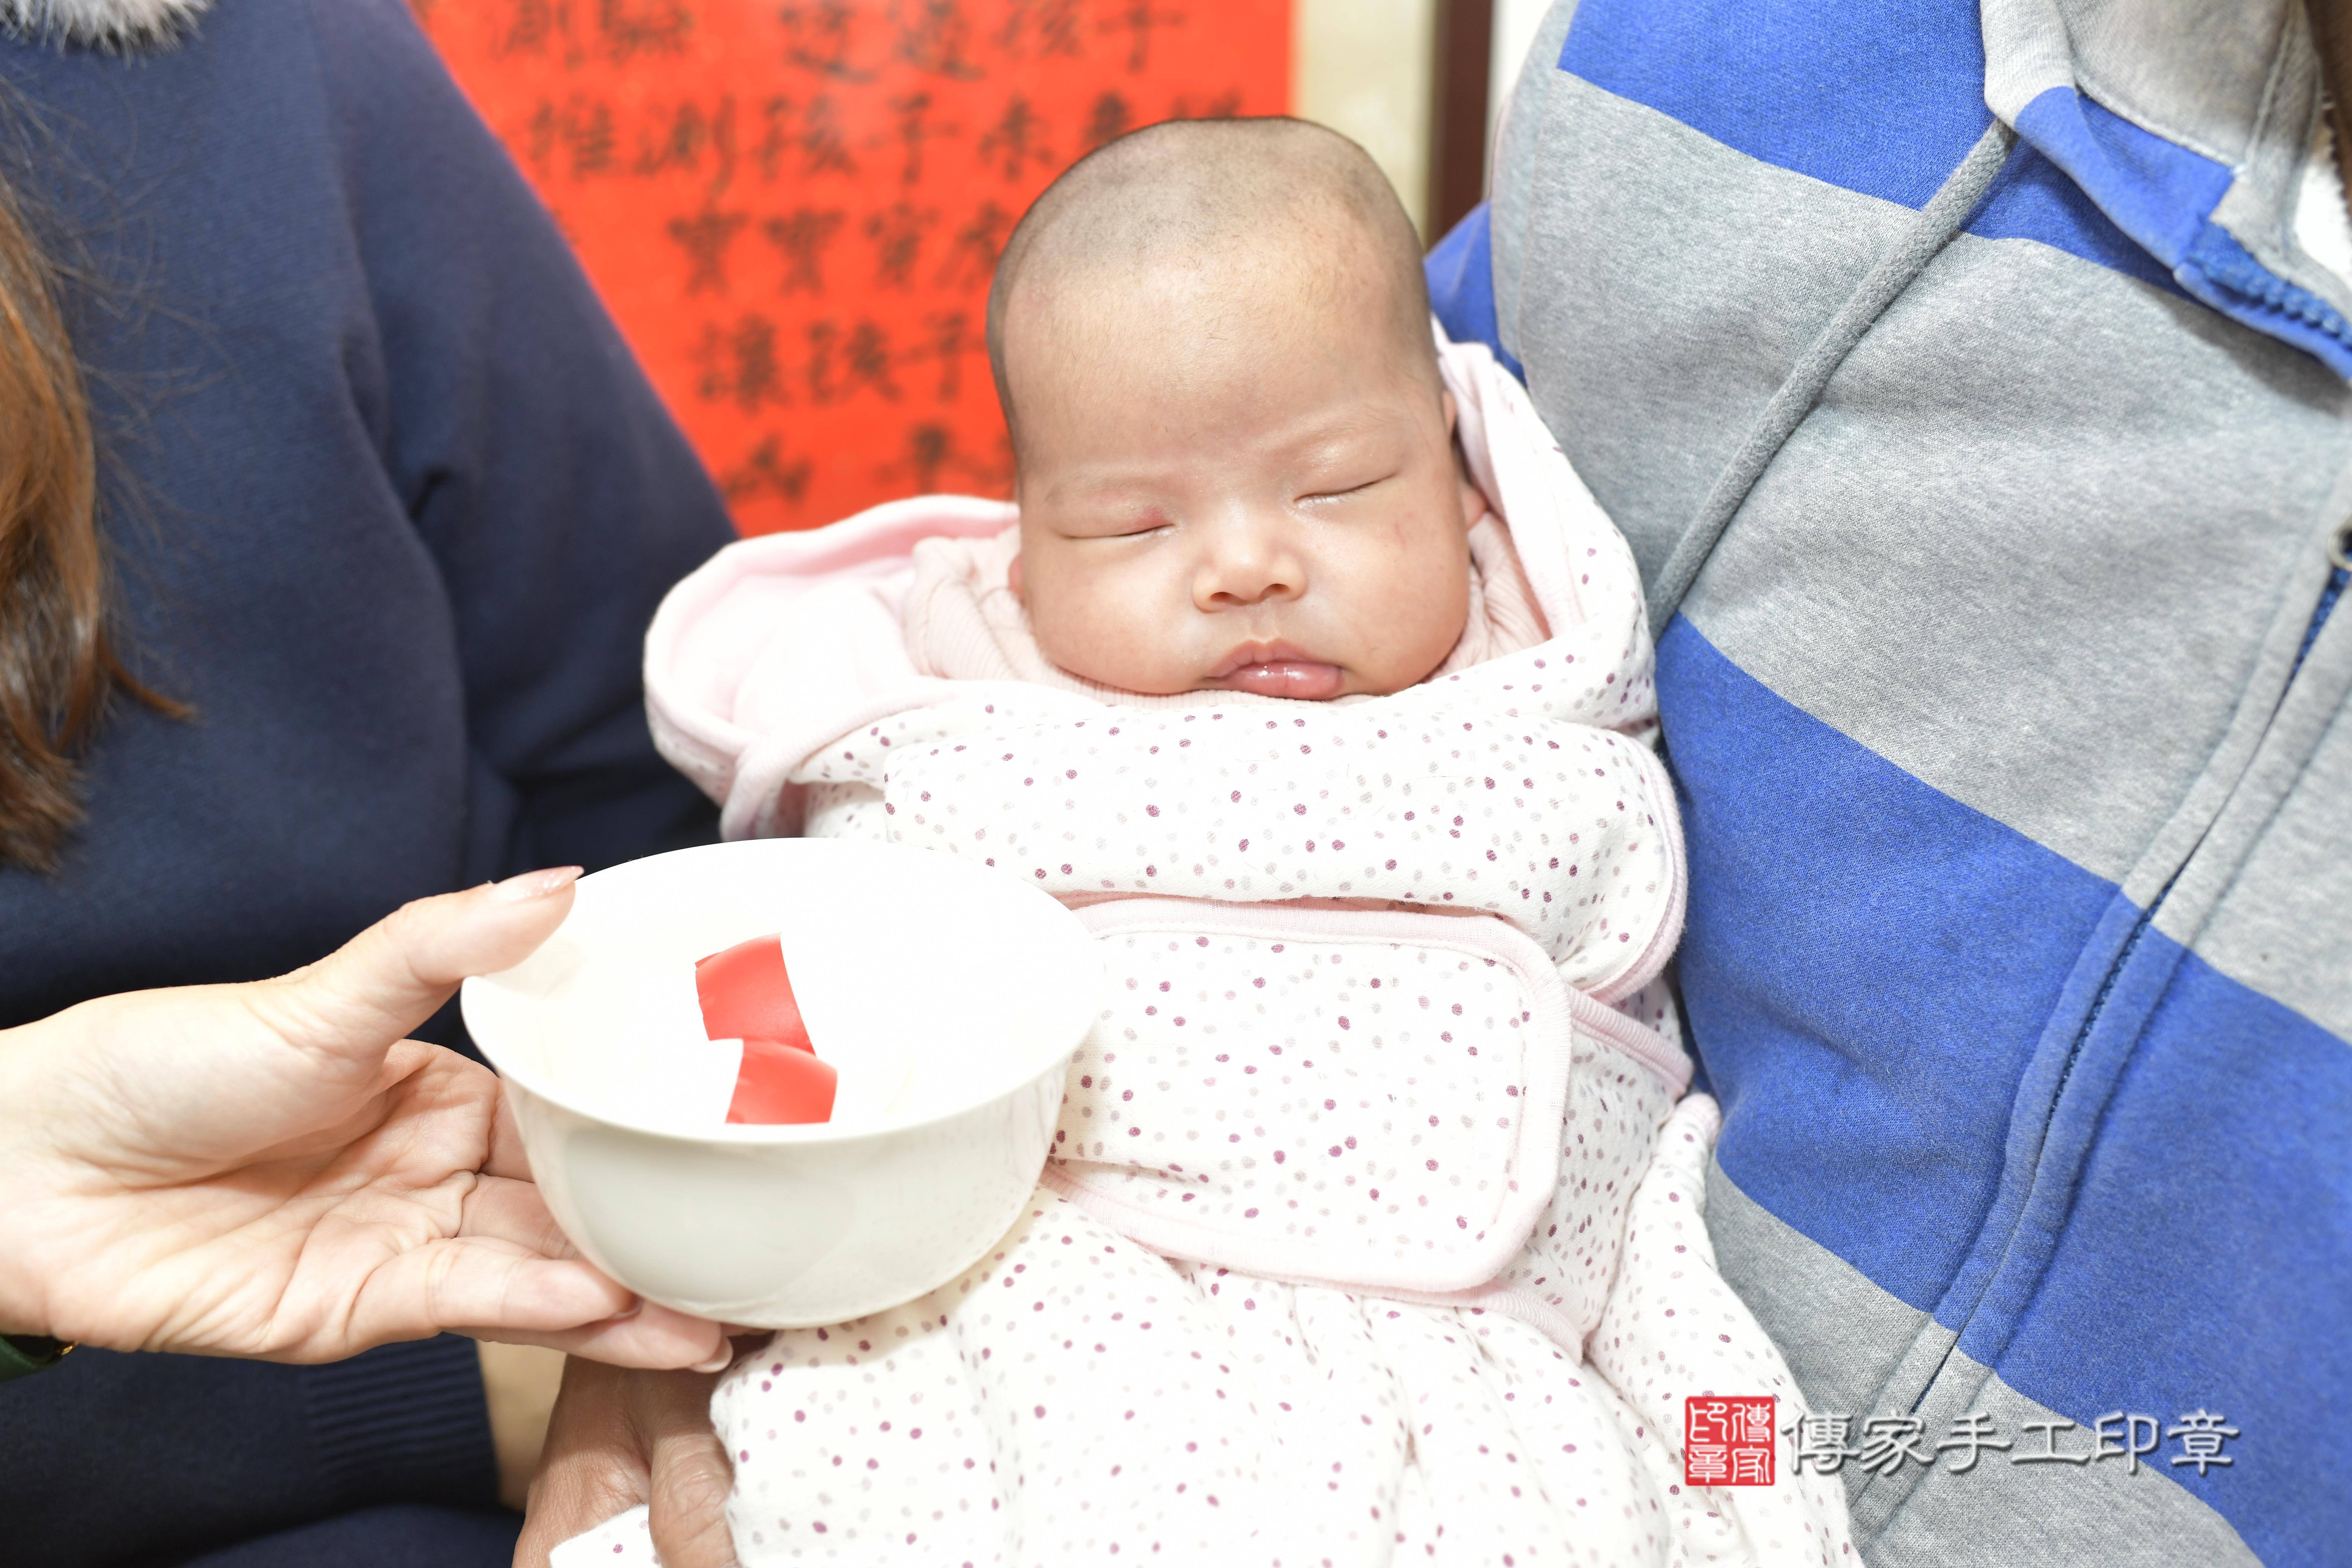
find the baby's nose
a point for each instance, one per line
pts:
(1246, 566)
(1233, 599)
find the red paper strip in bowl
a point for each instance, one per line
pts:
(780, 1085)
(745, 994)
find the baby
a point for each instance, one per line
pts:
(1309, 674)
(1250, 291)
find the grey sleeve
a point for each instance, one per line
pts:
(1519, 132)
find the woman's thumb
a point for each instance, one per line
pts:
(397, 974)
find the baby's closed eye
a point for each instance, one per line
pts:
(1114, 525)
(1344, 490)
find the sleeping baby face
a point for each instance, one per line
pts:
(1236, 458)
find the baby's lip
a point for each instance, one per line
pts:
(1255, 653)
(1277, 669)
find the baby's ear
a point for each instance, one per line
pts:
(1473, 502)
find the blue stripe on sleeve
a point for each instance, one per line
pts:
(1868, 967)
(2218, 1268)
(1461, 272)
(1883, 97)
(1871, 969)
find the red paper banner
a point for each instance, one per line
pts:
(792, 209)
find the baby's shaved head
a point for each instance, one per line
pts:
(1253, 214)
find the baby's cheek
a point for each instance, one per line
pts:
(1063, 619)
(1423, 608)
(1086, 623)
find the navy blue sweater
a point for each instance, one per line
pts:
(391, 506)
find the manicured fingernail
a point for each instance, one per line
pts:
(719, 1360)
(535, 884)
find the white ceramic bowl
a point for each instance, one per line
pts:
(951, 995)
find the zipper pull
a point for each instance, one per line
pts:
(2339, 556)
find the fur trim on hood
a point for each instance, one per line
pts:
(101, 24)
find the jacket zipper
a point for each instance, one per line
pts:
(2339, 558)
(2340, 578)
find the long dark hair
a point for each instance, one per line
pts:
(59, 668)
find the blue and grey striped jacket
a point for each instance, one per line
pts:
(1983, 425)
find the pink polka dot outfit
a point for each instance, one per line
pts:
(1372, 1230)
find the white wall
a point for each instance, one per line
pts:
(1363, 67)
